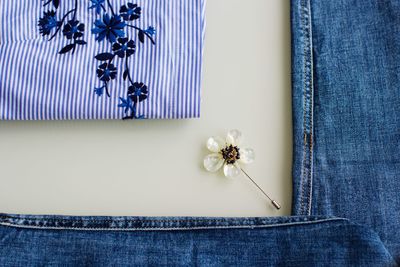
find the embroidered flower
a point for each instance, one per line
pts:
(150, 31)
(48, 22)
(227, 153)
(114, 28)
(109, 27)
(97, 5)
(137, 92)
(130, 11)
(127, 104)
(107, 72)
(73, 29)
(99, 90)
(124, 47)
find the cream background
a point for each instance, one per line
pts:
(154, 168)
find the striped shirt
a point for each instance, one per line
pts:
(100, 59)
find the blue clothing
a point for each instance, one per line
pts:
(346, 167)
(97, 59)
(346, 95)
(133, 241)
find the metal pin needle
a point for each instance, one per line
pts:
(273, 202)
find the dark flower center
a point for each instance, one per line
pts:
(52, 22)
(230, 154)
(138, 92)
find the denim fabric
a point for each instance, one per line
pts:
(346, 169)
(132, 241)
(347, 112)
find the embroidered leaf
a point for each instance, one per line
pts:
(67, 48)
(80, 42)
(141, 36)
(125, 75)
(104, 56)
(56, 3)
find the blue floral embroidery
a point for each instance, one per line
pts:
(150, 31)
(73, 30)
(48, 23)
(99, 91)
(98, 5)
(124, 47)
(113, 28)
(109, 27)
(130, 11)
(137, 92)
(107, 72)
(127, 104)
(55, 3)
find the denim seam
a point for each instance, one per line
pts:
(243, 220)
(166, 219)
(248, 226)
(311, 111)
(304, 115)
(307, 163)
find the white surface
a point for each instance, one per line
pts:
(154, 168)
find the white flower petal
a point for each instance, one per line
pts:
(234, 137)
(215, 143)
(246, 155)
(231, 170)
(213, 162)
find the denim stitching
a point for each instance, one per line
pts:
(37, 218)
(306, 168)
(301, 187)
(311, 111)
(144, 222)
(244, 226)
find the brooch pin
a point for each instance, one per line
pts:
(228, 155)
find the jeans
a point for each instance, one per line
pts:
(131, 241)
(346, 168)
(346, 100)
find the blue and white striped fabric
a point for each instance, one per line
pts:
(59, 78)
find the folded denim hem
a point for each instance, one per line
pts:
(109, 223)
(303, 106)
(34, 240)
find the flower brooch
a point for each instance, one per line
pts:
(227, 154)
